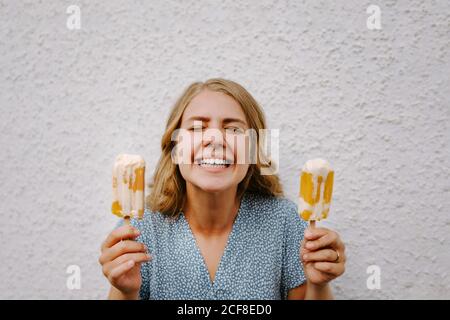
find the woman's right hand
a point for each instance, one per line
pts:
(121, 258)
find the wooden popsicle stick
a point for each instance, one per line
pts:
(312, 224)
(127, 223)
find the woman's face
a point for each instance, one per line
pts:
(213, 129)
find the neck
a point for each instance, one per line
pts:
(211, 212)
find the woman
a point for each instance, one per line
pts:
(217, 228)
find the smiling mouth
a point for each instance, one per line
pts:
(213, 163)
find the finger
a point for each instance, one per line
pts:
(324, 255)
(136, 257)
(341, 246)
(335, 269)
(315, 233)
(342, 256)
(303, 250)
(330, 239)
(121, 233)
(320, 276)
(303, 244)
(120, 248)
(123, 268)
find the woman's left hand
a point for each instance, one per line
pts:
(323, 255)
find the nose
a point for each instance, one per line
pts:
(213, 138)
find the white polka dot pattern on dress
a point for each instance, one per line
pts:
(261, 259)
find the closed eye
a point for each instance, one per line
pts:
(234, 130)
(196, 128)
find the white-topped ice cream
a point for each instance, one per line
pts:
(316, 187)
(128, 186)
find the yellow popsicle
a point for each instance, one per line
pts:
(316, 188)
(128, 186)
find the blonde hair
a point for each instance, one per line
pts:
(168, 188)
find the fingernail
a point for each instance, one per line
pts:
(131, 262)
(309, 245)
(308, 233)
(305, 256)
(137, 232)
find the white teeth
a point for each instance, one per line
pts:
(214, 162)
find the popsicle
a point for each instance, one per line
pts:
(316, 187)
(128, 187)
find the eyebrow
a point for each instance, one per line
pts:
(225, 120)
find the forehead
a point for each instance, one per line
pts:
(213, 105)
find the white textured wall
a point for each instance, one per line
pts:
(373, 102)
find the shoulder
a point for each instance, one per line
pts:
(280, 207)
(155, 217)
(152, 222)
(275, 213)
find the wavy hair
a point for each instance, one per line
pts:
(168, 187)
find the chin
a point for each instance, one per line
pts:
(212, 187)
